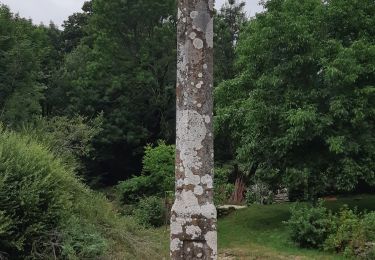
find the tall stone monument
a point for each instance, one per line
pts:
(193, 215)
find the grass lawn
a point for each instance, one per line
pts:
(257, 232)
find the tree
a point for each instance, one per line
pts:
(228, 22)
(123, 67)
(301, 109)
(193, 215)
(74, 28)
(24, 49)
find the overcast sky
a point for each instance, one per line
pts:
(58, 10)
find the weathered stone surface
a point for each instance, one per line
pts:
(281, 196)
(193, 215)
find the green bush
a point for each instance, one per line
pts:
(150, 212)
(368, 223)
(222, 188)
(132, 190)
(34, 193)
(363, 244)
(157, 175)
(345, 226)
(347, 232)
(46, 212)
(353, 234)
(68, 138)
(370, 253)
(309, 226)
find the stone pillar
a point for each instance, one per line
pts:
(193, 215)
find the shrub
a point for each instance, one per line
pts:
(366, 249)
(68, 138)
(344, 228)
(150, 212)
(222, 188)
(132, 190)
(34, 192)
(46, 212)
(346, 232)
(368, 223)
(157, 175)
(309, 226)
(353, 234)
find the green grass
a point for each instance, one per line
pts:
(258, 232)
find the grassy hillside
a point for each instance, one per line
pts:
(47, 212)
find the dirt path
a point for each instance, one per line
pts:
(241, 254)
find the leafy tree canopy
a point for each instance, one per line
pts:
(124, 66)
(301, 109)
(27, 56)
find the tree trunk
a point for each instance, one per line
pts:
(193, 215)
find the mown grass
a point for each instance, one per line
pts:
(258, 232)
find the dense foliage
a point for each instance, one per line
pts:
(70, 138)
(150, 212)
(348, 231)
(90, 69)
(353, 234)
(129, 77)
(86, 100)
(35, 193)
(27, 58)
(309, 226)
(295, 109)
(228, 24)
(46, 212)
(301, 109)
(223, 188)
(157, 175)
